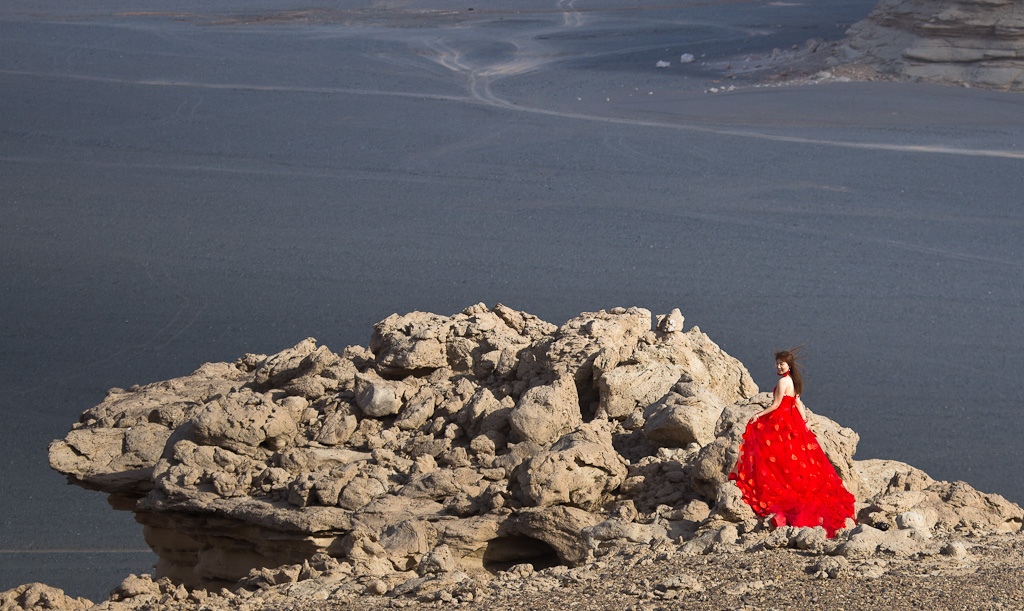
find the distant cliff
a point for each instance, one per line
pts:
(968, 42)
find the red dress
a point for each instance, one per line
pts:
(783, 471)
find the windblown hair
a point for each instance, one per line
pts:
(790, 357)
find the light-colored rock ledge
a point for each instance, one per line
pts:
(968, 42)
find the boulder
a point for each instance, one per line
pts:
(245, 422)
(631, 387)
(671, 322)
(545, 413)
(617, 532)
(576, 344)
(730, 505)
(876, 475)
(40, 597)
(579, 470)
(560, 527)
(415, 341)
(947, 506)
(678, 421)
(438, 560)
(377, 397)
(305, 370)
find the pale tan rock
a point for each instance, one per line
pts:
(671, 322)
(957, 550)
(633, 386)
(709, 469)
(559, 527)
(678, 421)
(285, 365)
(410, 342)
(438, 560)
(305, 370)
(406, 542)
(337, 428)
(169, 402)
(134, 586)
(478, 340)
(579, 470)
(876, 475)
(41, 597)
(117, 443)
(418, 410)
(545, 413)
(244, 422)
(577, 343)
(730, 505)
(360, 491)
(191, 466)
(305, 459)
(484, 414)
(830, 567)
(377, 397)
(464, 433)
(88, 453)
(945, 505)
(472, 540)
(621, 532)
(486, 343)
(811, 539)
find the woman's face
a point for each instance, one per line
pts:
(782, 367)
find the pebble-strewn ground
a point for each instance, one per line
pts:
(992, 577)
(972, 572)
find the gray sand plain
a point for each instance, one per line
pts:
(182, 186)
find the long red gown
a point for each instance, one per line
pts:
(783, 471)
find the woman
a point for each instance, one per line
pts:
(782, 470)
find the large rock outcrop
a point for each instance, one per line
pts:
(970, 42)
(456, 447)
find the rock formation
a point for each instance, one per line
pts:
(41, 596)
(970, 42)
(456, 448)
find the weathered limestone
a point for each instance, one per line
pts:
(41, 596)
(579, 470)
(457, 447)
(971, 42)
(546, 412)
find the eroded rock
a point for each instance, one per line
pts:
(971, 42)
(41, 597)
(456, 448)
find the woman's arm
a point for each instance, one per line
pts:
(800, 407)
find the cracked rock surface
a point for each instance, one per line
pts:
(488, 458)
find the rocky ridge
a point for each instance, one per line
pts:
(967, 42)
(458, 457)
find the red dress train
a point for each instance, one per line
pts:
(783, 471)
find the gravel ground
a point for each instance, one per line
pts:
(989, 577)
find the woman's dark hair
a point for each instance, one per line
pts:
(790, 356)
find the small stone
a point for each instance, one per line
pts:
(829, 567)
(956, 550)
(377, 587)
